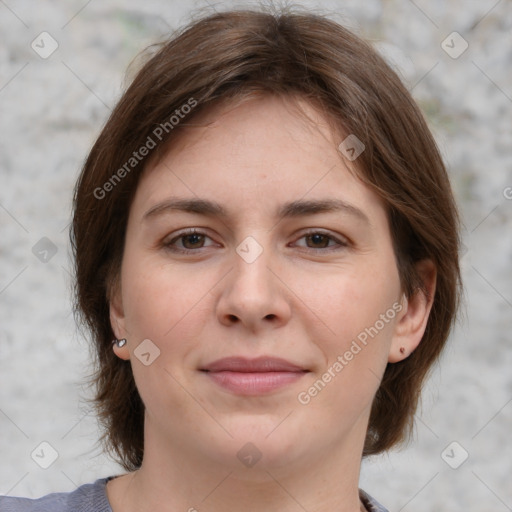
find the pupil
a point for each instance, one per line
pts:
(192, 240)
(319, 239)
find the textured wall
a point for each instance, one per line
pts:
(52, 107)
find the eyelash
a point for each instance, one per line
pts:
(193, 231)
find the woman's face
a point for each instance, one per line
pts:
(271, 323)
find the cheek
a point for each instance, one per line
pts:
(167, 308)
(351, 300)
(355, 357)
(359, 307)
(163, 304)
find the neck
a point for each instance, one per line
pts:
(180, 478)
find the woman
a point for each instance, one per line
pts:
(266, 230)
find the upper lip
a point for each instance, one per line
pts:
(257, 365)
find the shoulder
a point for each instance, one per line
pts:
(86, 498)
(370, 503)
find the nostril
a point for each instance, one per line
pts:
(270, 316)
(233, 318)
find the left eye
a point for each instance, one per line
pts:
(318, 240)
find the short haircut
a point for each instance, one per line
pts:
(226, 57)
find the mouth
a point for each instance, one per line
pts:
(253, 377)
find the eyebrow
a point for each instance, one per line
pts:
(297, 208)
(308, 207)
(200, 206)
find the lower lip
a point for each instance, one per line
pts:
(253, 383)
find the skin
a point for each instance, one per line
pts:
(303, 299)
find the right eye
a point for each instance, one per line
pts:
(188, 241)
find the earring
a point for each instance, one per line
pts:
(402, 350)
(120, 343)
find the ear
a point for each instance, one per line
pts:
(118, 320)
(412, 319)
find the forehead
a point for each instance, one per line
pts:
(262, 151)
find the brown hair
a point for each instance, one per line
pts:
(227, 56)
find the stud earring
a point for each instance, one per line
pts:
(402, 350)
(120, 343)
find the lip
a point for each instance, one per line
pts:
(252, 377)
(257, 365)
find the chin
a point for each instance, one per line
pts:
(266, 444)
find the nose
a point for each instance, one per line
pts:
(254, 295)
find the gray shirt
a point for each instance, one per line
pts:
(93, 498)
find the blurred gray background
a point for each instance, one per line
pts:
(53, 102)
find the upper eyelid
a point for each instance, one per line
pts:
(187, 232)
(339, 239)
